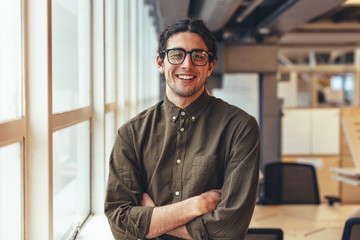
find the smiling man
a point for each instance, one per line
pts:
(186, 168)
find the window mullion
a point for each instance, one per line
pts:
(38, 108)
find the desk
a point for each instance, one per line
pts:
(305, 222)
(348, 175)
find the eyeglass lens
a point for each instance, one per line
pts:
(198, 57)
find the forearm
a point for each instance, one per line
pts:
(169, 218)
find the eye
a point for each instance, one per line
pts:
(200, 56)
(176, 54)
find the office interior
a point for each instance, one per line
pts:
(71, 72)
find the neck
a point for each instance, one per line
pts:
(183, 102)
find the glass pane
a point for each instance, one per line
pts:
(10, 192)
(110, 129)
(71, 178)
(70, 54)
(10, 60)
(335, 89)
(110, 47)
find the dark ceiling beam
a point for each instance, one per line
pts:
(346, 14)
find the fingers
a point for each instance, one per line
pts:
(210, 200)
(213, 191)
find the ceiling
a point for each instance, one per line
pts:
(288, 22)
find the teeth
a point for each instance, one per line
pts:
(186, 76)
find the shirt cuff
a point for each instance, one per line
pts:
(138, 222)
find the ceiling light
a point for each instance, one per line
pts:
(352, 2)
(264, 31)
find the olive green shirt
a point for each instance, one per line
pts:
(174, 154)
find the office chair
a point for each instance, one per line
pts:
(290, 183)
(264, 234)
(351, 229)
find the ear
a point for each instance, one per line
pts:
(160, 64)
(211, 68)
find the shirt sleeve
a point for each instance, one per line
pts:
(231, 218)
(128, 220)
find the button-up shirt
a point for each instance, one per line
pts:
(174, 154)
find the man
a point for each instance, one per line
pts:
(186, 168)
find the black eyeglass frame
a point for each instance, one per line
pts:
(186, 52)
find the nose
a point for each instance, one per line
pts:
(187, 61)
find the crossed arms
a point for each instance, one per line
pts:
(178, 214)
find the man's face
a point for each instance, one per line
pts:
(186, 80)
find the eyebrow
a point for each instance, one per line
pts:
(195, 49)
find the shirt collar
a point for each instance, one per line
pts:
(193, 110)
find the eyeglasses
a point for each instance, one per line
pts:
(177, 56)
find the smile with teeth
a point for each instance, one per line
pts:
(186, 77)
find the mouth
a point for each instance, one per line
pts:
(186, 77)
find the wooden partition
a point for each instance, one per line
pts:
(350, 151)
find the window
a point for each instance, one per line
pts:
(10, 61)
(110, 51)
(58, 116)
(70, 54)
(12, 128)
(72, 115)
(10, 192)
(71, 178)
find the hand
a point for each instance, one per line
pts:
(209, 201)
(146, 201)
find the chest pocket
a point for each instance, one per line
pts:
(206, 174)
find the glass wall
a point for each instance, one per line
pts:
(71, 178)
(138, 77)
(110, 51)
(71, 92)
(10, 192)
(11, 124)
(10, 60)
(70, 54)
(56, 130)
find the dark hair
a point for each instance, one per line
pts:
(188, 25)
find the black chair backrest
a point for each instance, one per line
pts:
(264, 234)
(351, 229)
(290, 183)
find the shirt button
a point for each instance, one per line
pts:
(193, 118)
(182, 113)
(182, 129)
(178, 161)
(177, 193)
